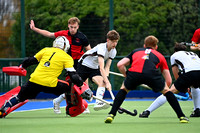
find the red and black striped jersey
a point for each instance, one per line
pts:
(77, 42)
(147, 60)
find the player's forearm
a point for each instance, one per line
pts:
(88, 47)
(29, 61)
(175, 71)
(121, 65)
(107, 67)
(104, 75)
(107, 71)
(167, 77)
(122, 70)
(193, 48)
(44, 32)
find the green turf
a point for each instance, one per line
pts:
(162, 120)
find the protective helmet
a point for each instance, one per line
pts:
(62, 43)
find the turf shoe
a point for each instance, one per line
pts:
(56, 107)
(195, 113)
(86, 111)
(1, 114)
(3, 111)
(184, 119)
(145, 114)
(100, 105)
(109, 118)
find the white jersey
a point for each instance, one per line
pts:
(186, 61)
(90, 58)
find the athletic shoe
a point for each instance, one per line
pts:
(184, 119)
(145, 114)
(86, 111)
(100, 105)
(109, 118)
(195, 113)
(1, 114)
(56, 107)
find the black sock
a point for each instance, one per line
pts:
(172, 100)
(121, 95)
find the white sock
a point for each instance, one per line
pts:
(157, 103)
(60, 98)
(196, 97)
(100, 93)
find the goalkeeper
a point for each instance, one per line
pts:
(51, 62)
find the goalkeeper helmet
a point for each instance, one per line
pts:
(62, 43)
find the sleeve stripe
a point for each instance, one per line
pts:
(70, 69)
(174, 65)
(100, 55)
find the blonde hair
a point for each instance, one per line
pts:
(113, 35)
(73, 20)
(151, 41)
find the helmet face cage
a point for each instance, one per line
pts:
(62, 43)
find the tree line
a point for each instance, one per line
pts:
(169, 20)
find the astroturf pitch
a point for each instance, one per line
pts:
(162, 120)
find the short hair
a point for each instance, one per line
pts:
(73, 20)
(113, 35)
(179, 47)
(151, 41)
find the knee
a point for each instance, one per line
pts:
(99, 81)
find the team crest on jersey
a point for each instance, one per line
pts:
(147, 52)
(193, 58)
(77, 40)
(145, 57)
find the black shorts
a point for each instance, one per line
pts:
(85, 72)
(30, 90)
(187, 80)
(75, 63)
(134, 79)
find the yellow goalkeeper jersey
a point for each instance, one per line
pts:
(52, 61)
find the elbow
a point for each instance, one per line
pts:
(50, 35)
(119, 65)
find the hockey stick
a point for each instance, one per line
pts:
(112, 95)
(121, 75)
(184, 98)
(120, 108)
(190, 44)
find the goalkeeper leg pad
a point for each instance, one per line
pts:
(10, 98)
(77, 110)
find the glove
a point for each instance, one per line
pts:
(87, 94)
